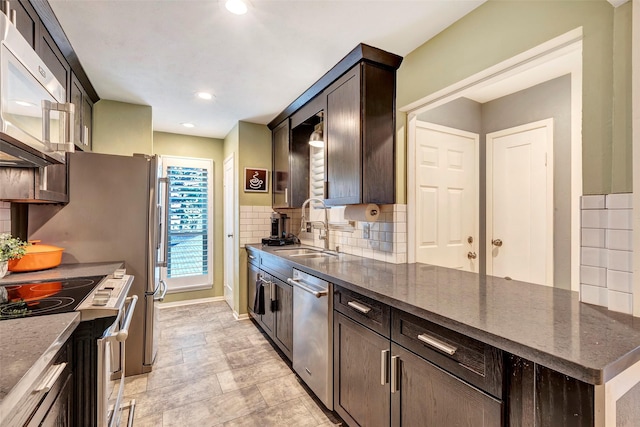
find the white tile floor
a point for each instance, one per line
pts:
(213, 370)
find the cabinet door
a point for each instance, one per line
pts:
(281, 180)
(53, 58)
(76, 99)
(252, 277)
(284, 316)
(361, 388)
(344, 147)
(423, 394)
(27, 21)
(87, 122)
(60, 413)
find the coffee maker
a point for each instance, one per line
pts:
(279, 233)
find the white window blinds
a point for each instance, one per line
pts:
(189, 215)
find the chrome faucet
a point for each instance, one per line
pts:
(324, 231)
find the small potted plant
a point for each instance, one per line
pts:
(10, 248)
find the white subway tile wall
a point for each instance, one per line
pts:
(606, 272)
(5, 217)
(255, 223)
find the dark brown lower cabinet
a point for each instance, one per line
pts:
(60, 414)
(284, 315)
(361, 387)
(425, 395)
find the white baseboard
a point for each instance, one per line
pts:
(190, 302)
(240, 316)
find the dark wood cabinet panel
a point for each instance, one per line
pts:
(268, 319)
(87, 123)
(344, 148)
(371, 313)
(83, 114)
(473, 361)
(27, 21)
(60, 413)
(281, 179)
(360, 123)
(361, 393)
(54, 59)
(428, 396)
(253, 274)
(284, 316)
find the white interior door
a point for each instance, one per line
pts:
(446, 165)
(229, 228)
(520, 203)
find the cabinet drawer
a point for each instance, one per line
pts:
(367, 311)
(471, 360)
(253, 257)
(276, 266)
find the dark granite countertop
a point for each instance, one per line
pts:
(545, 325)
(28, 347)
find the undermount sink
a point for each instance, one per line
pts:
(299, 251)
(305, 253)
(317, 254)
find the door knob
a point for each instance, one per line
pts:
(229, 235)
(497, 242)
(472, 255)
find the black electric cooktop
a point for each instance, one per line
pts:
(38, 298)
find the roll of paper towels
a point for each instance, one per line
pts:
(367, 213)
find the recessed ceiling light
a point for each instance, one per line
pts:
(204, 95)
(188, 125)
(24, 103)
(238, 7)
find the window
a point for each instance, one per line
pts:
(189, 213)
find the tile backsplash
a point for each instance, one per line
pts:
(5, 217)
(386, 241)
(606, 266)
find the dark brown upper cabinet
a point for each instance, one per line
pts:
(27, 21)
(354, 106)
(83, 115)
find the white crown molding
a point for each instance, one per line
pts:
(616, 3)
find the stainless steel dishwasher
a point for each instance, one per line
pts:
(313, 334)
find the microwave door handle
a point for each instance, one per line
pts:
(66, 125)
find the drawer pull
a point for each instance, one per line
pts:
(51, 377)
(252, 257)
(384, 366)
(359, 307)
(394, 373)
(436, 343)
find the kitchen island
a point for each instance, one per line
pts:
(543, 326)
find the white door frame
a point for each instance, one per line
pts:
(413, 188)
(562, 46)
(548, 124)
(229, 212)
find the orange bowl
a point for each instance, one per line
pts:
(37, 257)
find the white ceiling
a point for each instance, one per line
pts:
(161, 52)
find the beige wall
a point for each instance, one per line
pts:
(251, 145)
(122, 128)
(498, 30)
(207, 148)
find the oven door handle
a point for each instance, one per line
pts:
(123, 333)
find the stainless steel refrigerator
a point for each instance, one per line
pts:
(114, 214)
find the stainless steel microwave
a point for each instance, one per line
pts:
(36, 124)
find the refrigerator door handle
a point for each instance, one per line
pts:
(164, 225)
(164, 288)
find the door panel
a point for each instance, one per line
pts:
(520, 203)
(447, 195)
(229, 229)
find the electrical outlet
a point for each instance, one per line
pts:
(366, 231)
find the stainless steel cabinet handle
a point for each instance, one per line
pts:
(286, 195)
(272, 290)
(436, 343)
(51, 377)
(394, 373)
(359, 307)
(384, 367)
(301, 285)
(252, 257)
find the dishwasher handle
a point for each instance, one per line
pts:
(305, 287)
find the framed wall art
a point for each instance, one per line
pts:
(256, 180)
